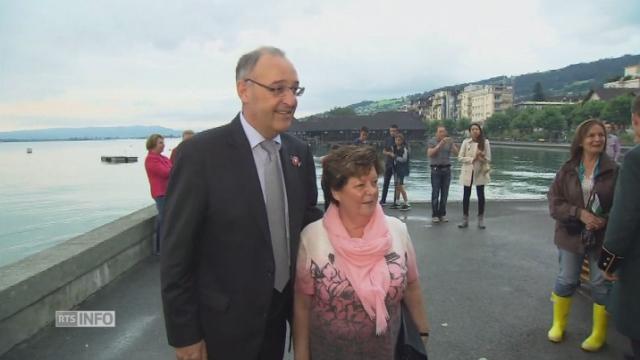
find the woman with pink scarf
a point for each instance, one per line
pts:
(354, 268)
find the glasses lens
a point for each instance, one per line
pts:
(298, 91)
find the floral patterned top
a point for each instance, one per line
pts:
(339, 326)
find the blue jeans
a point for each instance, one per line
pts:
(160, 207)
(440, 181)
(569, 276)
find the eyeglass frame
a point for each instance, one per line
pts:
(280, 90)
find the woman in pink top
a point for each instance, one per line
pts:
(354, 268)
(158, 169)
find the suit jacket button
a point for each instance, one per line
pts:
(269, 274)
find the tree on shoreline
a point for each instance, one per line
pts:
(556, 123)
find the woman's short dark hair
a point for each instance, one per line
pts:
(152, 141)
(481, 137)
(581, 133)
(346, 162)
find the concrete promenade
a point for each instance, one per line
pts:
(487, 294)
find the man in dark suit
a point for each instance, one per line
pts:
(230, 244)
(621, 249)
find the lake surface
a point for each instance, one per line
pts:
(63, 189)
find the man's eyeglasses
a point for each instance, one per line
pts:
(279, 91)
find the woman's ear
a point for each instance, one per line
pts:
(336, 195)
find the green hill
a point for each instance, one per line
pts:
(570, 82)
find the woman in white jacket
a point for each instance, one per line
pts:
(475, 158)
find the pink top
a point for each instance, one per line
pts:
(158, 169)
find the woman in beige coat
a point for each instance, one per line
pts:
(475, 158)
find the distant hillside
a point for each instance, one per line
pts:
(87, 133)
(572, 82)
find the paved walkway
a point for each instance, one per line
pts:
(487, 297)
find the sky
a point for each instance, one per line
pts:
(78, 63)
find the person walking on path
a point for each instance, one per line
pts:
(186, 135)
(158, 168)
(613, 143)
(621, 249)
(439, 150)
(580, 199)
(401, 152)
(363, 137)
(389, 162)
(475, 157)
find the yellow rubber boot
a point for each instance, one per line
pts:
(561, 306)
(599, 332)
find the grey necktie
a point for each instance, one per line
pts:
(274, 195)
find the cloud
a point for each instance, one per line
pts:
(172, 63)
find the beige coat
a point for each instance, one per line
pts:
(479, 169)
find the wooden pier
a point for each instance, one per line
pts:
(119, 159)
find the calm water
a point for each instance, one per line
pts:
(62, 189)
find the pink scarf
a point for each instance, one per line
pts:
(363, 261)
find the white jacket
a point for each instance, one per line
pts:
(479, 169)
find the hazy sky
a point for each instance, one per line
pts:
(76, 63)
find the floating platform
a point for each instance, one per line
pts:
(119, 159)
(29, 150)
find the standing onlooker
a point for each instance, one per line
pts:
(363, 138)
(158, 169)
(186, 135)
(401, 152)
(389, 161)
(580, 198)
(613, 143)
(621, 247)
(439, 152)
(475, 156)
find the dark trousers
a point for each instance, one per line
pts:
(635, 347)
(275, 332)
(467, 196)
(440, 181)
(388, 174)
(160, 207)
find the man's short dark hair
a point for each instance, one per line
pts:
(248, 61)
(394, 126)
(365, 129)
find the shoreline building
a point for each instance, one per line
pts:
(630, 80)
(539, 105)
(345, 128)
(474, 102)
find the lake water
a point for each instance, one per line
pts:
(63, 189)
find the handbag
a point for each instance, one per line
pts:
(410, 345)
(573, 226)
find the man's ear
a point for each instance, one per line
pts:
(242, 90)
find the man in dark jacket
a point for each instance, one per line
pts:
(621, 248)
(389, 161)
(237, 200)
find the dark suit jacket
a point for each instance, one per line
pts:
(217, 266)
(623, 239)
